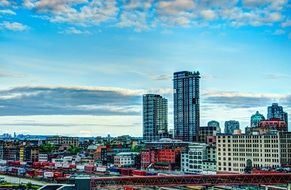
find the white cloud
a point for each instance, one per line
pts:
(73, 30)
(208, 14)
(7, 12)
(15, 26)
(287, 23)
(87, 13)
(4, 3)
(148, 14)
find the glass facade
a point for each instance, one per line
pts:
(155, 117)
(186, 105)
(214, 124)
(256, 119)
(231, 126)
(276, 112)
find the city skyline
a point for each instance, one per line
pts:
(83, 66)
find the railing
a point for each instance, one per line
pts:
(192, 180)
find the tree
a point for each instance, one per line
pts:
(74, 149)
(46, 148)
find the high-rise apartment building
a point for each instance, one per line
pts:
(186, 105)
(231, 126)
(276, 112)
(155, 117)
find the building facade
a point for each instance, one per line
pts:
(186, 105)
(63, 140)
(285, 148)
(155, 117)
(161, 159)
(231, 126)
(205, 132)
(256, 119)
(126, 159)
(276, 112)
(214, 124)
(236, 152)
(192, 158)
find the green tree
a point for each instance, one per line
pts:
(46, 148)
(29, 186)
(74, 149)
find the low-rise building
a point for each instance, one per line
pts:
(236, 153)
(126, 159)
(61, 140)
(209, 165)
(161, 159)
(285, 147)
(192, 158)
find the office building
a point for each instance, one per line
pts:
(206, 132)
(186, 105)
(276, 112)
(285, 147)
(235, 153)
(231, 126)
(155, 117)
(214, 124)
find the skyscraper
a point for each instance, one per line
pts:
(231, 126)
(155, 117)
(276, 112)
(214, 124)
(186, 105)
(256, 119)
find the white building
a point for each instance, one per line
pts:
(192, 158)
(209, 165)
(235, 152)
(42, 157)
(125, 159)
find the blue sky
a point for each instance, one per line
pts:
(81, 66)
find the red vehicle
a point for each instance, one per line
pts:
(90, 169)
(139, 173)
(126, 171)
(58, 174)
(36, 165)
(30, 173)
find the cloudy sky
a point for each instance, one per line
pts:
(79, 67)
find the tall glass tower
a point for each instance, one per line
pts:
(186, 105)
(231, 126)
(276, 112)
(155, 117)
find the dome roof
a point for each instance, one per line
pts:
(256, 119)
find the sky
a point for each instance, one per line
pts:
(80, 67)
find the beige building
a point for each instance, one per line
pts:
(235, 152)
(285, 145)
(61, 140)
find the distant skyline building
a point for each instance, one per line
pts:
(155, 117)
(256, 119)
(186, 105)
(231, 126)
(216, 124)
(276, 112)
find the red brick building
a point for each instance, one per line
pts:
(162, 159)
